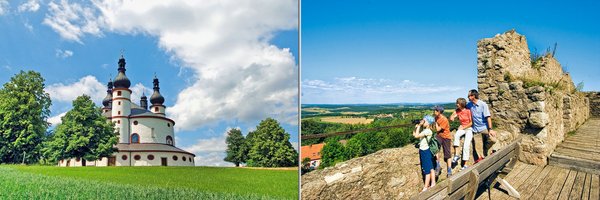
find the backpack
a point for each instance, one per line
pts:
(434, 145)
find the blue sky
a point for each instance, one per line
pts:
(217, 70)
(393, 51)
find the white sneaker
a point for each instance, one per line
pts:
(455, 159)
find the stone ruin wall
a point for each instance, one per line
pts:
(594, 98)
(538, 102)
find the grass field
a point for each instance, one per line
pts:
(48, 182)
(347, 120)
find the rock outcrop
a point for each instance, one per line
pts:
(532, 98)
(386, 174)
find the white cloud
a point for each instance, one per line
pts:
(210, 151)
(72, 21)
(28, 26)
(88, 85)
(238, 74)
(212, 159)
(56, 120)
(4, 7)
(31, 6)
(137, 90)
(63, 53)
(368, 90)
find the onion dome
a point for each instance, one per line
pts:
(108, 99)
(121, 81)
(144, 101)
(156, 98)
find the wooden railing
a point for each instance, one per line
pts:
(464, 185)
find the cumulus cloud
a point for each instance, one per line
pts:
(210, 151)
(238, 74)
(4, 7)
(64, 53)
(370, 90)
(72, 20)
(88, 85)
(137, 90)
(31, 6)
(28, 26)
(56, 120)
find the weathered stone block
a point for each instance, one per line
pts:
(538, 119)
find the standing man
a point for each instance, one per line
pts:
(482, 123)
(443, 136)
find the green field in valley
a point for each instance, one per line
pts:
(49, 182)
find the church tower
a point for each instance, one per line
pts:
(157, 99)
(107, 101)
(121, 103)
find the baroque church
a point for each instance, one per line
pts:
(146, 135)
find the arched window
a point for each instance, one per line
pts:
(119, 102)
(135, 138)
(175, 158)
(118, 112)
(168, 124)
(169, 140)
(183, 158)
(119, 94)
(155, 109)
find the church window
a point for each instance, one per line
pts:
(118, 121)
(124, 157)
(150, 157)
(168, 124)
(135, 138)
(183, 158)
(119, 94)
(175, 158)
(135, 122)
(118, 112)
(190, 159)
(137, 157)
(155, 109)
(169, 140)
(119, 102)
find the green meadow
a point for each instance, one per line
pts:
(49, 182)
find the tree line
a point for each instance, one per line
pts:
(267, 146)
(24, 135)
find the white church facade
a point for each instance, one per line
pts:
(146, 135)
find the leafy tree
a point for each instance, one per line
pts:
(270, 146)
(332, 152)
(362, 144)
(236, 147)
(84, 133)
(24, 108)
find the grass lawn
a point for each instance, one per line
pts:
(49, 182)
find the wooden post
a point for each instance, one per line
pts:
(473, 184)
(511, 191)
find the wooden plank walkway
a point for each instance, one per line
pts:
(580, 151)
(549, 182)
